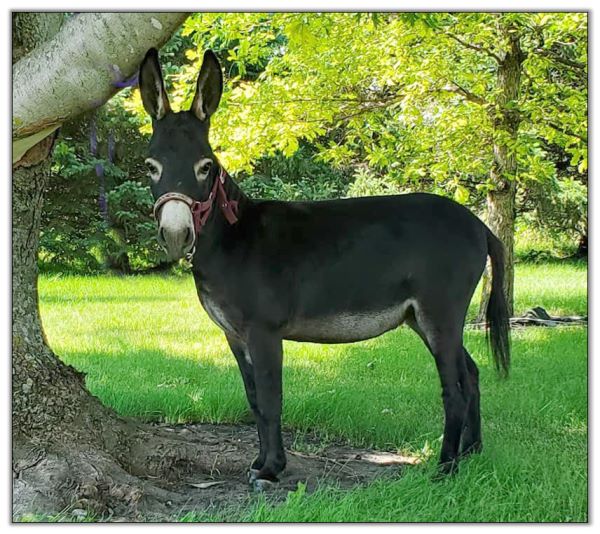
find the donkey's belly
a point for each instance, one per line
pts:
(346, 327)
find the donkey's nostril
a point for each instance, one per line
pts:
(188, 236)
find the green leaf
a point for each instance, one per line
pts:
(461, 194)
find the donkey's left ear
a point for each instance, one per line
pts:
(209, 87)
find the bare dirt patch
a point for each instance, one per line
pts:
(175, 469)
(223, 454)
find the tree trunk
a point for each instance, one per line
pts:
(48, 396)
(501, 199)
(50, 406)
(68, 449)
(31, 29)
(582, 246)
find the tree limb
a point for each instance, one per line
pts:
(578, 66)
(559, 128)
(370, 106)
(81, 67)
(566, 131)
(477, 48)
(468, 95)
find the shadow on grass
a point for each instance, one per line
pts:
(382, 393)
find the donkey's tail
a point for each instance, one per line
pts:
(497, 324)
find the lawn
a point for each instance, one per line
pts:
(150, 351)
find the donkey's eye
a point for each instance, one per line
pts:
(154, 169)
(202, 168)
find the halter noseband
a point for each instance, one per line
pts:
(202, 210)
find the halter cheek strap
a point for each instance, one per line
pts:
(202, 210)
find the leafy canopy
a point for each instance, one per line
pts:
(411, 95)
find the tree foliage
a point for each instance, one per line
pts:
(412, 95)
(318, 105)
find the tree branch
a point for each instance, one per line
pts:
(366, 109)
(477, 48)
(387, 99)
(566, 131)
(559, 128)
(578, 66)
(82, 66)
(370, 106)
(468, 95)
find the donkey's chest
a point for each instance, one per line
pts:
(221, 314)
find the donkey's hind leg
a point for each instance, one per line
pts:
(471, 436)
(456, 394)
(443, 337)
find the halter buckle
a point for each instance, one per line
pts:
(190, 255)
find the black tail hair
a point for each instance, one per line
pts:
(498, 326)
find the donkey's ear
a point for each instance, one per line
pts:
(152, 87)
(209, 87)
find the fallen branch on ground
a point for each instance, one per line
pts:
(538, 316)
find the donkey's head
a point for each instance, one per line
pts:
(180, 159)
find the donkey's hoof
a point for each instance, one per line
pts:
(475, 448)
(252, 475)
(262, 485)
(445, 470)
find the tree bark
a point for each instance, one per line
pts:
(31, 29)
(501, 199)
(67, 448)
(46, 393)
(80, 68)
(50, 404)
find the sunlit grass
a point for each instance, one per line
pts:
(560, 288)
(150, 351)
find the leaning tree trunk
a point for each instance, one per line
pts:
(51, 408)
(45, 391)
(47, 394)
(501, 199)
(80, 68)
(68, 449)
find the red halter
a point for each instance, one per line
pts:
(202, 210)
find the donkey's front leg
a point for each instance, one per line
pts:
(266, 354)
(242, 355)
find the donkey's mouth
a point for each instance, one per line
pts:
(176, 253)
(176, 245)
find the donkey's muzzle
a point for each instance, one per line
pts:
(176, 229)
(176, 244)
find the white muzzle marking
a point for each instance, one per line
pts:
(176, 228)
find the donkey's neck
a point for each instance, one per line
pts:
(217, 226)
(234, 192)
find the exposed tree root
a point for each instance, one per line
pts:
(171, 470)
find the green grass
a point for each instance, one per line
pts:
(559, 286)
(150, 351)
